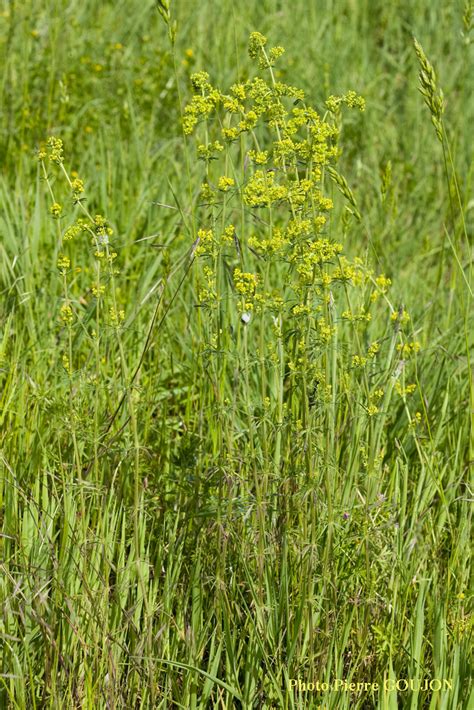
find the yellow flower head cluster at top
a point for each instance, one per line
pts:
(66, 314)
(56, 210)
(77, 187)
(63, 262)
(55, 146)
(257, 43)
(203, 103)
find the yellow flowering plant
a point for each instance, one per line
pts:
(283, 299)
(90, 311)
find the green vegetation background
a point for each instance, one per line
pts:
(156, 592)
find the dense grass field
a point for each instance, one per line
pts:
(236, 354)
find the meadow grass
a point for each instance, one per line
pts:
(237, 396)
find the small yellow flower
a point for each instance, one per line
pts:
(56, 150)
(416, 420)
(325, 331)
(77, 187)
(224, 183)
(373, 349)
(66, 364)
(98, 289)
(66, 314)
(206, 241)
(56, 210)
(400, 316)
(403, 391)
(63, 262)
(73, 231)
(228, 236)
(358, 361)
(259, 157)
(116, 316)
(408, 349)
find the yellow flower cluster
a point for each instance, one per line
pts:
(374, 400)
(406, 350)
(351, 100)
(275, 244)
(209, 152)
(207, 194)
(228, 235)
(374, 348)
(66, 314)
(56, 210)
(245, 284)
(309, 254)
(401, 316)
(382, 284)
(358, 361)
(203, 102)
(55, 146)
(259, 157)
(403, 391)
(206, 242)
(117, 316)
(325, 331)
(63, 262)
(98, 290)
(102, 229)
(301, 309)
(208, 293)
(256, 47)
(257, 42)
(75, 230)
(77, 187)
(361, 315)
(66, 364)
(361, 360)
(225, 183)
(261, 190)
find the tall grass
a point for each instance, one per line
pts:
(236, 444)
